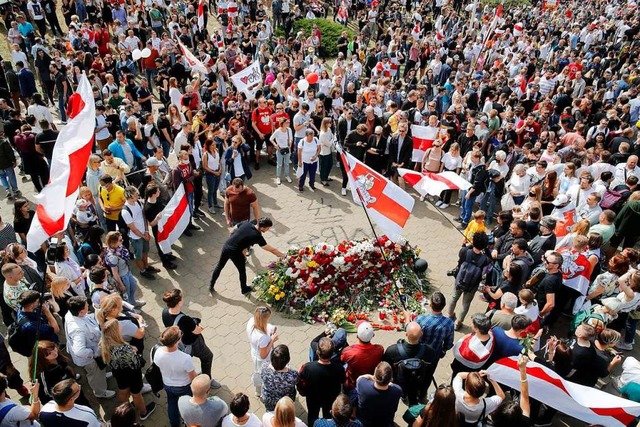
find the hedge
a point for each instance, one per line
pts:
(329, 29)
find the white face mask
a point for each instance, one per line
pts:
(185, 162)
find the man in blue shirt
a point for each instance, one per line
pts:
(507, 343)
(437, 329)
(39, 318)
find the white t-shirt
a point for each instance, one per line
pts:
(136, 217)
(267, 420)
(174, 366)
(17, 416)
(148, 132)
(79, 413)
(257, 339)
(532, 312)
(282, 138)
(472, 413)
(309, 149)
(253, 421)
(450, 162)
(103, 133)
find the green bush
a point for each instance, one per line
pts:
(330, 33)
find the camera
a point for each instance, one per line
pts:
(51, 251)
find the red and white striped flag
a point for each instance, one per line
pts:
(232, 9)
(588, 404)
(201, 14)
(433, 183)
(194, 63)
(68, 164)
(387, 204)
(416, 32)
(472, 352)
(439, 31)
(222, 7)
(175, 219)
(423, 137)
(576, 269)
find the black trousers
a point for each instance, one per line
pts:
(238, 259)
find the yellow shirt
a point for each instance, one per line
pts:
(113, 200)
(472, 228)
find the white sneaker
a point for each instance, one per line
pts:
(439, 203)
(108, 394)
(343, 191)
(288, 180)
(444, 206)
(278, 181)
(212, 210)
(146, 388)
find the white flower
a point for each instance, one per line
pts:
(401, 241)
(291, 274)
(338, 261)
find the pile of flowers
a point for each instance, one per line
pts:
(345, 282)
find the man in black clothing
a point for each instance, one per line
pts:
(235, 249)
(153, 207)
(356, 142)
(412, 348)
(321, 381)
(549, 288)
(46, 140)
(543, 242)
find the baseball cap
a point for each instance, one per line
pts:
(548, 222)
(152, 161)
(484, 119)
(365, 331)
(560, 200)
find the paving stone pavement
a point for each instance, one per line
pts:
(299, 218)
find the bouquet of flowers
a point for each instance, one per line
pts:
(344, 282)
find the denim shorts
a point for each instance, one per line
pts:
(139, 247)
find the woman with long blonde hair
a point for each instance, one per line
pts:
(133, 326)
(284, 415)
(126, 367)
(262, 337)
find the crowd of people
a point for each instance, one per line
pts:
(537, 108)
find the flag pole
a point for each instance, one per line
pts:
(347, 167)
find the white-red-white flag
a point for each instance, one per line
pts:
(439, 30)
(588, 404)
(201, 14)
(433, 183)
(388, 205)
(222, 7)
(175, 219)
(576, 269)
(423, 137)
(194, 63)
(57, 200)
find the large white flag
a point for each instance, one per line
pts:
(433, 183)
(248, 80)
(57, 200)
(587, 404)
(386, 203)
(175, 219)
(194, 63)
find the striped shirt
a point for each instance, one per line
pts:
(437, 332)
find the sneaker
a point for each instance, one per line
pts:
(187, 233)
(139, 303)
(147, 274)
(626, 346)
(325, 183)
(458, 219)
(246, 290)
(169, 265)
(171, 257)
(288, 179)
(278, 181)
(151, 406)
(343, 191)
(439, 203)
(300, 189)
(153, 269)
(212, 210)
(146, 388)
(458, 325)
(193, 227)
(108, 394)
(444, 206)
(313, 189)
(215, 385)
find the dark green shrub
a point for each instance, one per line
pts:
(330, 33)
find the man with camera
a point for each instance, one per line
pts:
(35, 321)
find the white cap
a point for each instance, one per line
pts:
(365, 332)
(560, 200)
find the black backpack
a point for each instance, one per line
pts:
(470, 273)
(20, 342)
(412, 372)
(153, 373)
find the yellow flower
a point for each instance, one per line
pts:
(281, 295)
(278, 297)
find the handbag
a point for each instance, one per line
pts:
(507, 202)
(299, 171)
(284, 151)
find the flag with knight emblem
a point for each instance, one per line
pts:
(388, 205)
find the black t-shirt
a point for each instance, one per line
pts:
(163, 124)
(187, 324)
(59, 79)
(22, 224)
(144, 93)
(244, 237)
(151, 210)
(587, 365)
(549, 285)
(323, 381)
(47, 140)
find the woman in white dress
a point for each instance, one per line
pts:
(262, 337)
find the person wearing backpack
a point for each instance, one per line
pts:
(472, 263)
(14, 414)
(413, 362)
(139, 236)
(471, 406)
(33, 322)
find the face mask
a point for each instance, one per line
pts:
(185, 162)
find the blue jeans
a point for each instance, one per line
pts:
(131, 286)
(467, 207)
(61, 107)
(308, 168)
(191, 202)
(280, 159)
(8, 179)
(213, 182)
(173, 394)
(630, 330)
(488, 199)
